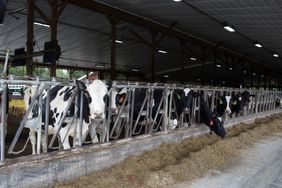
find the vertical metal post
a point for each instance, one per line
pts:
(165, 111)
(113, 22)
(215, 69)
(81, 120)
(47, 110)
(128, 127)
(29, 42)
(39, 130)
(3, 120)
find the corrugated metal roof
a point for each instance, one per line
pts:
(84, 35)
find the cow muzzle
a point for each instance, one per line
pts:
(98, 115)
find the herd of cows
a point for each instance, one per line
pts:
(97, 98)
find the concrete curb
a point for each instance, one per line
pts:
(44, 170)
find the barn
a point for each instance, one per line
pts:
(145, 93)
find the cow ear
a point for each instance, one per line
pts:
(80, 85)
(109, 84)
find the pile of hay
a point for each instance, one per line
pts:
(179, 162)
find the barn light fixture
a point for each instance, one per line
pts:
(228, 28)
(99, 66)
(254, 74)
(258, 45)
(262, 76)
(166, 76)
(119, 41)
(244, 72)
(135, 70)
(177, 0)
(275, 55)
(162, 51)
(193, 58)
(218, 65)
(230, 68)
(41, 24)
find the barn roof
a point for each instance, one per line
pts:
(84, 34)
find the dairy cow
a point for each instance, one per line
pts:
(94, 97)
(212, 120)
(246, 101)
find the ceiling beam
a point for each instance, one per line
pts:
(147, 23)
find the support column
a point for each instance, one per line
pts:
(265, 81)
(53, 26)
(203, 66)
(215, 68)
(29, 43)
(113, 22)
(183, 61)
(153, 54)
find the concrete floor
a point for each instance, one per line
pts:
(258, 167)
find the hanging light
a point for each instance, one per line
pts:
(275, 55)
(162, 51)
(135, 70)
(166, 76)
(41, 24)
(193, 58)
(218, 65)
(177, 0)
(228, 28)
(258, 44)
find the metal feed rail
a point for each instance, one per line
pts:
(127, 122)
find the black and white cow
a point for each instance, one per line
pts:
(223, 105)
(246, 101)
(212, 120)
(94, 96)
(278, 102)
(182, 103)
(235, 104)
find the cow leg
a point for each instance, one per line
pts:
(32, 137)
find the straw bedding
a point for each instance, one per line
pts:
(178, 162)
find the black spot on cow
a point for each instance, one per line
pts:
(29, 100)
(64, 124)
(54, 91)
(57, 115)
(55, 110)
(68, 92)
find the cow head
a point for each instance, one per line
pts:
(95, 93)
(246, 99)
(118, 98)
(216, 125)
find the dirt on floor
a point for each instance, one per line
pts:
(180, 162)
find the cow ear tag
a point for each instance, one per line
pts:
(178, 96)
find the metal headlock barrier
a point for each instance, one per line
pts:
(145, 109)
